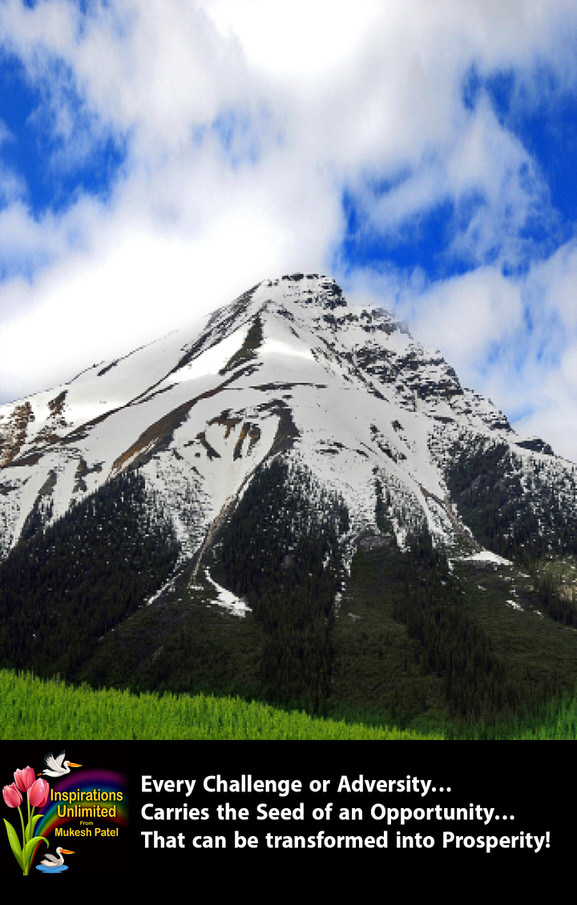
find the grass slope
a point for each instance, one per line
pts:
(36, 709)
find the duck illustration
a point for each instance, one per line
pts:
(56, 860)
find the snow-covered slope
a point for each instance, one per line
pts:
(289, 367)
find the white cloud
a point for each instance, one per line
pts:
(467, 315)
(243, 120)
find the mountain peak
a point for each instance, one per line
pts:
(311, 289)
(288, 368)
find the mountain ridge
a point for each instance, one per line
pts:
(301, 360)
(295, 500)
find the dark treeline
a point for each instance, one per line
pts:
(478, 682)
(69, 583)
(280, 550)
(550, 597)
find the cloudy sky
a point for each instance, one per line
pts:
(159, 157)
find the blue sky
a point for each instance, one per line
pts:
(157, 157)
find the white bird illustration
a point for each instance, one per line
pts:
(57, 766)
(53, 861)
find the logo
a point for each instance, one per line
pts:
(64, 810)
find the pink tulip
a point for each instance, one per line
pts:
(24, 778)
(12, 795)
(38, 793)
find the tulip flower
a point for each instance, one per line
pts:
(12, 795)
(38, 793)
(24, 778)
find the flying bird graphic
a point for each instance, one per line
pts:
(57, 766)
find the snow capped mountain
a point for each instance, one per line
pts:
(388, 540)
(289, 367)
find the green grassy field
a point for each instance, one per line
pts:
(37, 709)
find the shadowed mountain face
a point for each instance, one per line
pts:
(262, 450)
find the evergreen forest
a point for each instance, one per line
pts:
(365, 633)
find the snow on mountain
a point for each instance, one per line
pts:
(288, 366)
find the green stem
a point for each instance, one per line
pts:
(26, 868)
(29, 834)
(23, 830)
